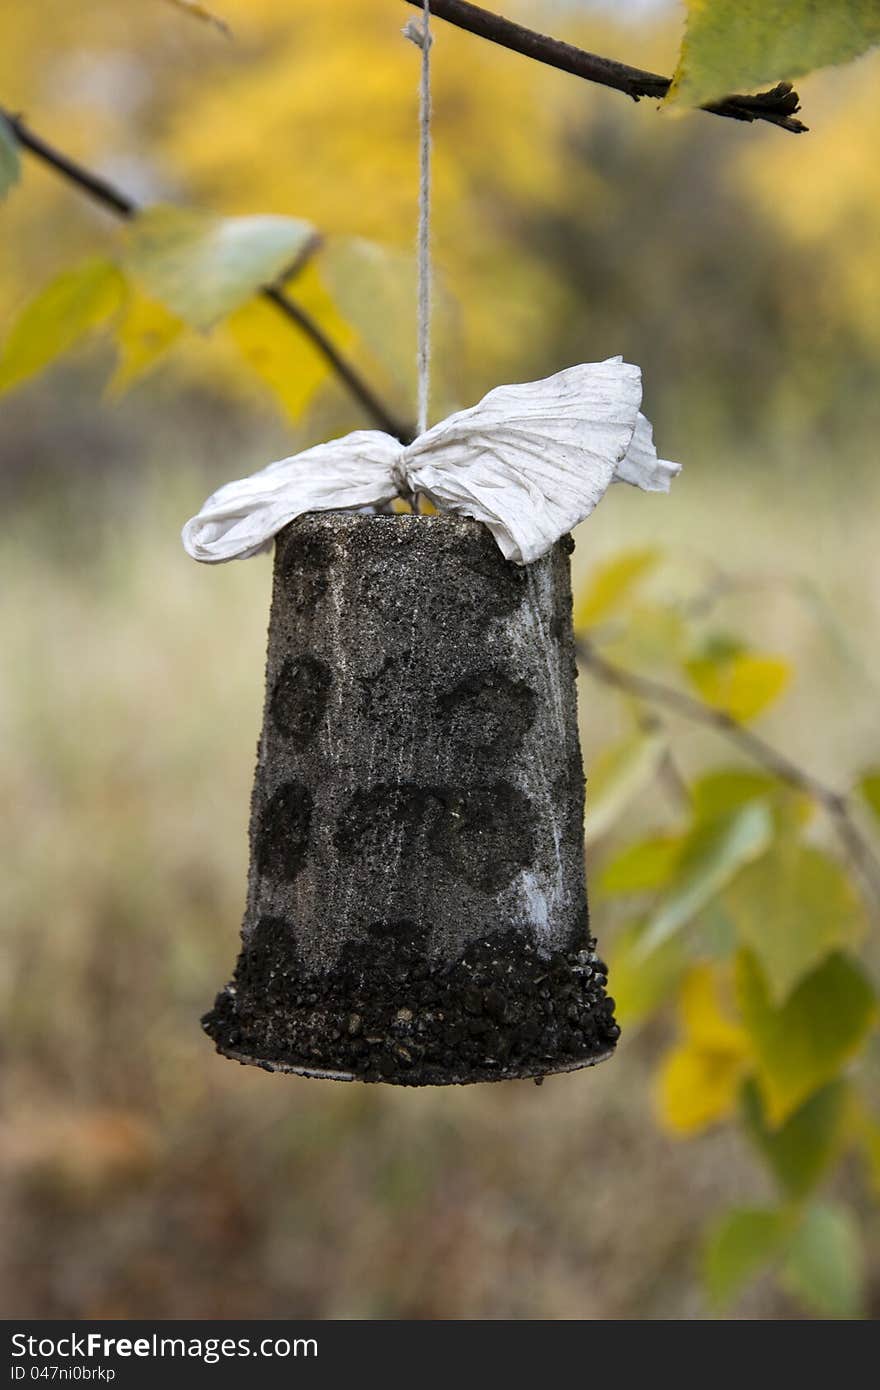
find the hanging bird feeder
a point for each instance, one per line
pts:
(416, 908)
(416, 904)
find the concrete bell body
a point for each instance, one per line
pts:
(416, 908)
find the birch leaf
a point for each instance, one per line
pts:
(202, 267)
(740, 45)
(712, 854)
(610, 584)
(825, 1263)
(739, 683)
(700, 1079)
(286, 361)
(803, 1045)
(799, 1152)
(642, 867)
(724, 789)
(145, 332)
(739, 1246)
(793, 908)
(642, 986)
(617, 776)
(64, 311)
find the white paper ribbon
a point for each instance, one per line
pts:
(529, 461)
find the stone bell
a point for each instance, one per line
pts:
(416, 908)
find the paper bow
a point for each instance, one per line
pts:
(529, 461)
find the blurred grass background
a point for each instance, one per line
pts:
(143, 1176)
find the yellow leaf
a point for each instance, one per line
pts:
(62, 313)
(144, 334)
(698, 1087)
(285, 359)
(742, 684)
(699, 1080)
(611, 583)
(702, 1014)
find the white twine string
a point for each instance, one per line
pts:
(421, 35)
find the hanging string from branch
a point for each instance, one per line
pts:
(420, 34)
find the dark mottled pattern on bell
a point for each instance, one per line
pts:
(416, 901)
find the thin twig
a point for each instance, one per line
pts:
(96, 187)
(118, 202)
(654, 692)
(777, 106)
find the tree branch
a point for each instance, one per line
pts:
(654, 692)
(118, 202)
(97, 188)
(777, 106)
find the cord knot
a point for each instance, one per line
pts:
(399, 474)
(417, 34)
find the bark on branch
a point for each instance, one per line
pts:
(655, 693)
(779, 106)
(101, 191)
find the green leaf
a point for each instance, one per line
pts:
(738, 45)
(869, 786)
(10, 163)
(726, 788)
(800, 1151)
(739, 683)
(740, 1245)
(642, 986)
(712, 854)
(375, 288)
(617, 775)
(717, 932)
(611, 584)
(805, 1043)
(202, 267)
(72, 304)
(649, 634)
(825, 1263)
(642, 867)
(793, 908)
